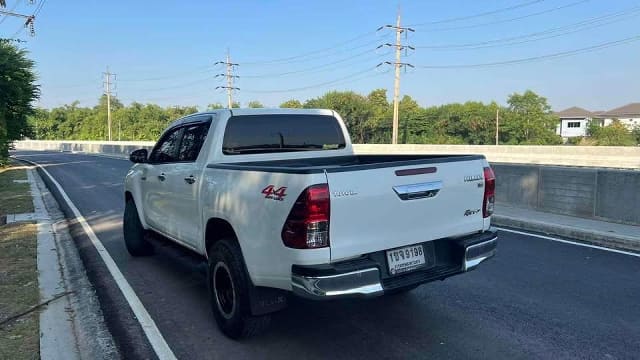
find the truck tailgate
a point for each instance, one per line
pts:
(383, 208)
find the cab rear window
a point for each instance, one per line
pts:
(258, 134)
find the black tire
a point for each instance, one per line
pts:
(229, 286)
(134, 233)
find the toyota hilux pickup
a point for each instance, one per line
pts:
(278, 203)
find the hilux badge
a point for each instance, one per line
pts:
(344, 193)
(471, 178)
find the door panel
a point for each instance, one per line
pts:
(156, 190)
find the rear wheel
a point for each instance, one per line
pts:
(134, 233)
(229, 291)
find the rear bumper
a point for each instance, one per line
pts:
(368, 276)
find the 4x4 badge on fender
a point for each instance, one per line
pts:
(270, 192)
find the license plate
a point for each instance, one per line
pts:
(405, 259)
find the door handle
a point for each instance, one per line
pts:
(190, 180)
(162, 177)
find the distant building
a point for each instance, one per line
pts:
(573, 122)
(629, 115)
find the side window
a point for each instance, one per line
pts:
(192, 139)
(166, 150)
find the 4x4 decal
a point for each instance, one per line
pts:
(270, 192)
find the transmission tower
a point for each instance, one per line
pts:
(229, 75)
(398, 65)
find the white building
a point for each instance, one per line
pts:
(628, 115)
(573, 122)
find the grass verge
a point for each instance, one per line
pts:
(19, 339)
(15, 198)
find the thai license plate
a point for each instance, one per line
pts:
(405, 259)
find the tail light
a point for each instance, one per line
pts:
(489, 192)
(307, 226)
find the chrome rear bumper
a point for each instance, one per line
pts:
(477, 253)
(366, 280)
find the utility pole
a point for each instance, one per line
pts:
(397, 64)
(497, 124)
(230, 77)
(28, 20)
(109, 83)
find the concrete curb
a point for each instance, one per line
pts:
(72, 327)
(594, 237)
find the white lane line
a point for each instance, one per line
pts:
(569, 242)
(159, 344)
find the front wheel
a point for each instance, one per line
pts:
(229, 291)
(134, 233)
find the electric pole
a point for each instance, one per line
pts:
(109, 86)
(398, 65)
(230, 77)
(28, 20)
(497, 124)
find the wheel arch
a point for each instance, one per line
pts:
(217, 229)
(128, 196)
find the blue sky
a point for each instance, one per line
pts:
(163, 51)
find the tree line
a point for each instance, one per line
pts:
(526, 119)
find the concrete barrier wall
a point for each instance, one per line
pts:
(605, 194)
(589, 188)
(622, 157)
(589, 156)
(113, 148)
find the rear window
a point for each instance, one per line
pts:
(258, 134)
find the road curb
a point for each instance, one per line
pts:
(594, 237)
(127, 330)
(72, 327)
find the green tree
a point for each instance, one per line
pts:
(378, 126)
(636, 134)
(17, 92)
(353, 108)
(293, 104)
(255, 104)
(615, 134)
(215, 106)
(529, 120)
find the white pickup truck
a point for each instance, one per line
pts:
(278, 203)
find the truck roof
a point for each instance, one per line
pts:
(249, 111)
(271, 111)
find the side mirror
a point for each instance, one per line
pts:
(138, 156)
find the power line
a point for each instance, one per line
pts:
(312, 69)
(13, 8)
(29, 19)
(286, 59)
(168, 77)
(339, 80)
(536, 58)
(39, 8)
(572, 28)
(492, 12)
(473, 26)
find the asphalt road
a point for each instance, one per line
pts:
(536, 299)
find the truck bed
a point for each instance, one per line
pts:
(342, 163)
